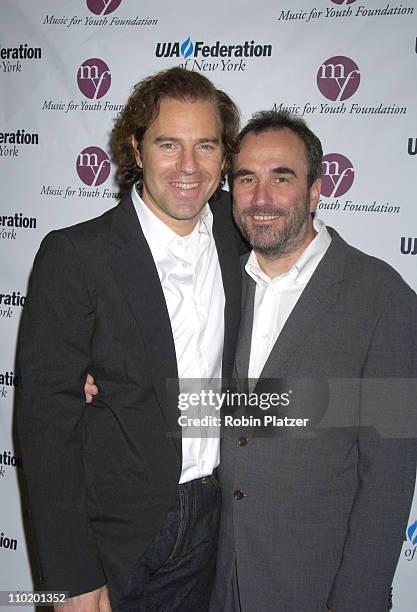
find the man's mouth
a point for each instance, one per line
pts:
(265, 217)
(185, 186)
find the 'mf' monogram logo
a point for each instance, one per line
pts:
(93, 166)
(343, 1)
(338, 175)
(338, 78)
(103, 7)
(94, 78)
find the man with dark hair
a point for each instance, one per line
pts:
(314, 518)
(124, 508)
(264, 121)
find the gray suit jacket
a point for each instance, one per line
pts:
(315, 518)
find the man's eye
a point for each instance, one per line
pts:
(167, 146)
(207, 147)
(246, 180)
(281, 179)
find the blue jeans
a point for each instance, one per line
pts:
(176, 573)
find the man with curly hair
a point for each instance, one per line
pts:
(125, 506)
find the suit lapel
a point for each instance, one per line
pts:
(224, 234)
(318, 296)
(245, 332)
(136, 274)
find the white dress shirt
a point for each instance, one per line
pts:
(189, 271)
(276, 297)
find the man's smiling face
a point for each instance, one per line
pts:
(272, 200)
(182, 157)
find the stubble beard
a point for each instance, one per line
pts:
(274, 243)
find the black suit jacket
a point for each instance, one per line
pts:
(100, 479)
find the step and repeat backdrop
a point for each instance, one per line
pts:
(349, 67)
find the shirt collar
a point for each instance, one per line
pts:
(159, 236)
(305, 265)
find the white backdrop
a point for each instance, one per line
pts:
(348, 66)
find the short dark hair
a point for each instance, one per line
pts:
(142, 109)
(278, 120)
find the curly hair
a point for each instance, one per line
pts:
(142, 109)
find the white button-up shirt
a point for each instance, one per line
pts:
(190, 276)
(276, 297)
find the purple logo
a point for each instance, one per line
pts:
(338, 78)
(338, 175)
(103, 7)
(94, 78)
(343, 1)
(93, 166)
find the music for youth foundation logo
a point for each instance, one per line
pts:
(103, 7)
(93, 166)
(98, 17)
(213, 56)
(94, 78)
(342, 10)
(93, 169)
(338, 78)
(338, 175)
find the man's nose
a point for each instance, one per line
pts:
(263, 194)
(187, 161)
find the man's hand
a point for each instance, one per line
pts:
(90, 389)
(95, 601)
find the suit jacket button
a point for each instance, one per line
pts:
(242, 441)
(238, 494)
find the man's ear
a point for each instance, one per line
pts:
(136, 151)
(315, 195)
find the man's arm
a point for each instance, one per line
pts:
(386, 462)
(53, 359)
